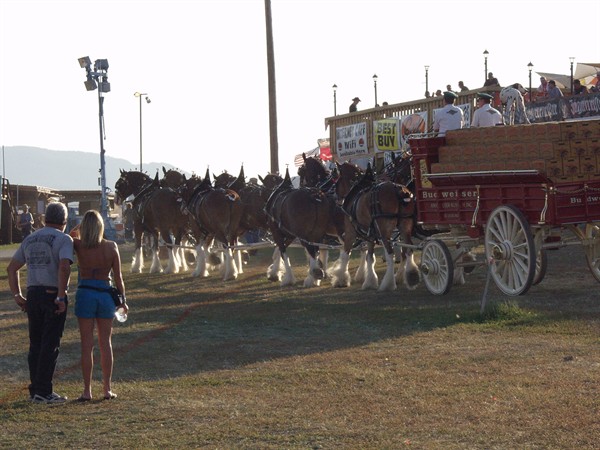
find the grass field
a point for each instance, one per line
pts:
(247, 364)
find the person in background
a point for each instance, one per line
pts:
(542, 90)
(438, 93)
(450, 117)
(26, 222)
(48, 254)
(427, 94)
(553, 90)
(96, 258)
(353, 106)
(578, 88)
(462, 86)
(491, 81)
(485, 115)
(128, 220)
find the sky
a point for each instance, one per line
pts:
(203, 65)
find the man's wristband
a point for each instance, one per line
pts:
(60, 299)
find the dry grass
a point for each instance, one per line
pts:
(247, 364)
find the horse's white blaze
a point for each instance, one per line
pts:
(388, 283)
(340, 276)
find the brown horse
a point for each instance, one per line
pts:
(215, 214)
(377, 210)
(305, 214)
(157, 212)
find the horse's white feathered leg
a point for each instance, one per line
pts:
(371, 278)
(288, 278)
(340, 276)
(137, 262)
(388, 283)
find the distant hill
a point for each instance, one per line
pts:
(70, 170)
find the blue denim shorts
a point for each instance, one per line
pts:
(91, 304)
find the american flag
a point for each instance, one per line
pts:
(298, 160)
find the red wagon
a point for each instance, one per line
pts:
(514, 190)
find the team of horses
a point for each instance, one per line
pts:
(346, 208)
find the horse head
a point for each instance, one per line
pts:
(129, 183)
(271, 180)
(223, 180)
(312, 172)
(172, 179)
(349, 174)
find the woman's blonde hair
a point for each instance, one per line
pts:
(92, 229)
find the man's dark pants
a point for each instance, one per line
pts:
(45, 331)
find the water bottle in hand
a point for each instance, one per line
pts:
(120, 314)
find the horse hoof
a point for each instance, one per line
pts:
(318, 274)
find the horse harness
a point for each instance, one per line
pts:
(350, 207)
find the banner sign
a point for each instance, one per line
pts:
(412, 124)
(386, 135)
(351, 140)
(574, 107)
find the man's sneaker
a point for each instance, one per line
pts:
(53, 398)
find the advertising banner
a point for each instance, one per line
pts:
(351, 140)
(386, 135)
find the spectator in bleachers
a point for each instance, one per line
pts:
(553, 90)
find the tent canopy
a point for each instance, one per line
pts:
(585, 70)
(562, 81)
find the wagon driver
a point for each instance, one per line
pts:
(450, 117)
(485, 115)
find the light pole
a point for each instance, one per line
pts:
(572, 58)
(98, 79)
(426, 80)
(334, 99)
(485, 55)
(139, 95)
(375, 85)
(530, 67)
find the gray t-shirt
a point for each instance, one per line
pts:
(42, 252)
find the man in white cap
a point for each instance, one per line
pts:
(485, 115)
(450, 117)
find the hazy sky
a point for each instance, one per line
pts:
(203, 65)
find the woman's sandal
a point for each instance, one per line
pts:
(83, 399)
(111, 396)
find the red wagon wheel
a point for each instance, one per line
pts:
(510, 248)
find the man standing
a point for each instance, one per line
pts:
(26, 222)
(450, 117)
(48, 254)
(485, 115)
(354, 104)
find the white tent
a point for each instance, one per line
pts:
(585, 70)
(562, 81)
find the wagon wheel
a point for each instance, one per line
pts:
(541, 264)
(437, 267)
(592, 251)
(510, 248)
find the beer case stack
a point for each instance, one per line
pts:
(562, 151)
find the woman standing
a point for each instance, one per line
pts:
(96, 258)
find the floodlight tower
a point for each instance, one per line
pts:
(98, 79)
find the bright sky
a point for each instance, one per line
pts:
(203, 65)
